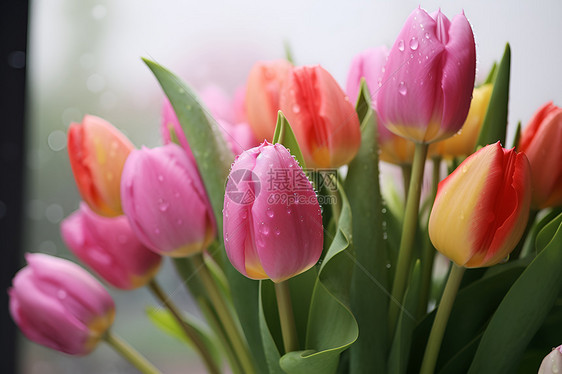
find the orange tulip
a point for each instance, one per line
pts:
(542, 143)
(323, 119)
(97, 153)
(262, 96)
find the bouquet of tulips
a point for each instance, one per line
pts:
(299, 260)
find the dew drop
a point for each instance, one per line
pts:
(296, 108)
(414, 43)
(264, 229)
(289, 211)
(464, 169)
(427, 35)
(388, 266)
(277, 232)
(244, 214)
(161, 178)
(163, 205)
(402, 89)
(270, 213)
(401, 46)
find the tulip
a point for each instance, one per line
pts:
(323, 119)
(110, 248)
(166, 202)
(370, 65)
(262, 96)
(239, 137)
(428, 78)
(541, 141)
(272, 219)
(552, 363)
(97, 153)
(219, 104)
(464, 142)
(58, 304)
(481, 209)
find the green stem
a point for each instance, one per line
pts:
(130, 354)
(428, 254)
(231, 328)
(189, 331)
(406, 176)
(408, 235)
(441, 318)
(285, 306)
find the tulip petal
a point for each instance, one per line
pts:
(459, 67)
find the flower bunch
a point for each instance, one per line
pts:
(300, 265)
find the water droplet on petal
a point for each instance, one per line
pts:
(244, 214)
(163, 205)
(161, 178)
(427, 35)
(464, 169)
(270, 213)
(277, 232)
(402, 89)
(296, 108)
(414, 43)
(401, 45)
(289, 211)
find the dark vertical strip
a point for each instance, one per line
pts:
(13, 57)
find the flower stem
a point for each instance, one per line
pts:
(408, 235)
(441, 318)
(189, 331)
(428, 254)
(129, 353)
(406, 177)
(231, 328)
(285, 306)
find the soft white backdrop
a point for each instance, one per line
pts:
(84, 57)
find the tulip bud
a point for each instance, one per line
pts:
(323, 119)
(552, 363)
(428, 78)
(541, 141)
(110, 248)
(166, 202)
(272, 219)
(97, 152)
(482, 208)
(370, 65)
(58, 304)
(463, 143)
(262, 96)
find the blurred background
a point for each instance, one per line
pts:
(84, 58)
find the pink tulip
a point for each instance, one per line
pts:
(166, 203)
(429, 77)
(239, 137)
(552, 363)
(323, 119)
(219, 104)
(110, 248)
(369, 64)
(58, 304)
(272, 219)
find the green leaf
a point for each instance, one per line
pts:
(400, 350)
(517, 136)
(284, 135)
(492, 74)
(370, 275)
(473, 307)
(460, 362)
(494, 126)
(163, 319)
(213, 160)
(522, 310)
(545, 236)
(331, 326)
